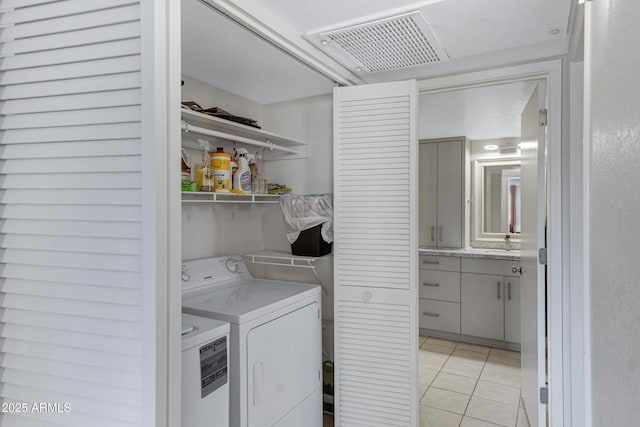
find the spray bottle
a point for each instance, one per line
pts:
(242, 178)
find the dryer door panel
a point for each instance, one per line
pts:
(283, 364)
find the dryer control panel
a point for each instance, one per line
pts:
(209, 271)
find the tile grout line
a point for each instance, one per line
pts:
(477, 380)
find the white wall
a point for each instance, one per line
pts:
(613, 63)
(576, 367)
(208, 96)
(222, 229)
(309, 120)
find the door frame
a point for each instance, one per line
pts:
(161, 96)
(551, 72)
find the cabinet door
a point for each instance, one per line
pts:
(428, 194)
(450, 208)
(482, 305)
(512, 309)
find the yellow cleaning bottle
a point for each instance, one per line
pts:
(221, 163)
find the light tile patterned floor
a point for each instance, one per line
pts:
(467, 385)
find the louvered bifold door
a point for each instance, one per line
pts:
(70, 193)
(375, 252)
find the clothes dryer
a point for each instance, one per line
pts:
(275, 341)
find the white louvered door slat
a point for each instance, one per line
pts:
(65, 87)
(375, 251)
(79, 69)
(71, 193)
(74, 22)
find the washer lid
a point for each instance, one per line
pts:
(204, 330)
(244, 301)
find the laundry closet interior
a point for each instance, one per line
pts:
(468, 190)
(267, 370)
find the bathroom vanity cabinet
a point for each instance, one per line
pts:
(471, 296)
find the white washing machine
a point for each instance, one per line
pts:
(205, 375)
(275, 341)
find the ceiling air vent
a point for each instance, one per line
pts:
(391, 43)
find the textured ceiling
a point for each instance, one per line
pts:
(465, 28)
(476, 35)
(478, 113)
(307, 15)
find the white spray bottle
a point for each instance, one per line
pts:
(242, 177)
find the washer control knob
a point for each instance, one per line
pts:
(232, 265)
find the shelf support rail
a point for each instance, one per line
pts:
(289, 262)
(187, 127)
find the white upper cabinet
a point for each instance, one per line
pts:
(428, 194)
(443, 193)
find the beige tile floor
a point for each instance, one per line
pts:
(467, 385)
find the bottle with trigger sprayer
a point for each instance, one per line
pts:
(242, 177)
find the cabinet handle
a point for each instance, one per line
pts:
(433, 239)
(433, 285)
(427, 313)
(509, 291)
(426, 261)
(440, 233)
(498, 289)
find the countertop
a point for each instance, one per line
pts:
(473, 253)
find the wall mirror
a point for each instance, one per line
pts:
(496, 200)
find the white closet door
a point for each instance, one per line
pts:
(71, 283)
(375, 252)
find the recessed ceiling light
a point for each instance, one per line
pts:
(555, 31)
(491, 147)
(528, 145)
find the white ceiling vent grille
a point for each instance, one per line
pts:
(392, 43)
